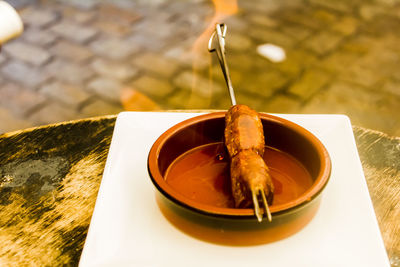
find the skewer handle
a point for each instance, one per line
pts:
(218, 38)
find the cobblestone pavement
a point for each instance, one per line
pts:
(79, 59)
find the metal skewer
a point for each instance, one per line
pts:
(266, 207)
(217, 44)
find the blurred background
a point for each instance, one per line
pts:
(79, 59)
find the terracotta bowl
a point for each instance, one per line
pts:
(232, 226)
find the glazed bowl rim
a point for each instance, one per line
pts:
(164, 188)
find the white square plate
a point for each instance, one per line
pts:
(127, 228)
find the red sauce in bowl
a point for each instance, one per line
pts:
(202, 174)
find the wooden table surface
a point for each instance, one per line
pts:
(50, 175)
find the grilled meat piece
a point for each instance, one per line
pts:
(244, 140)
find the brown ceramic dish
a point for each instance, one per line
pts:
(187, 213)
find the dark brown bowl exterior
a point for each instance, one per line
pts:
(237, 231)
(209, 128)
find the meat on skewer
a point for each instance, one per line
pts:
(244, 140)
